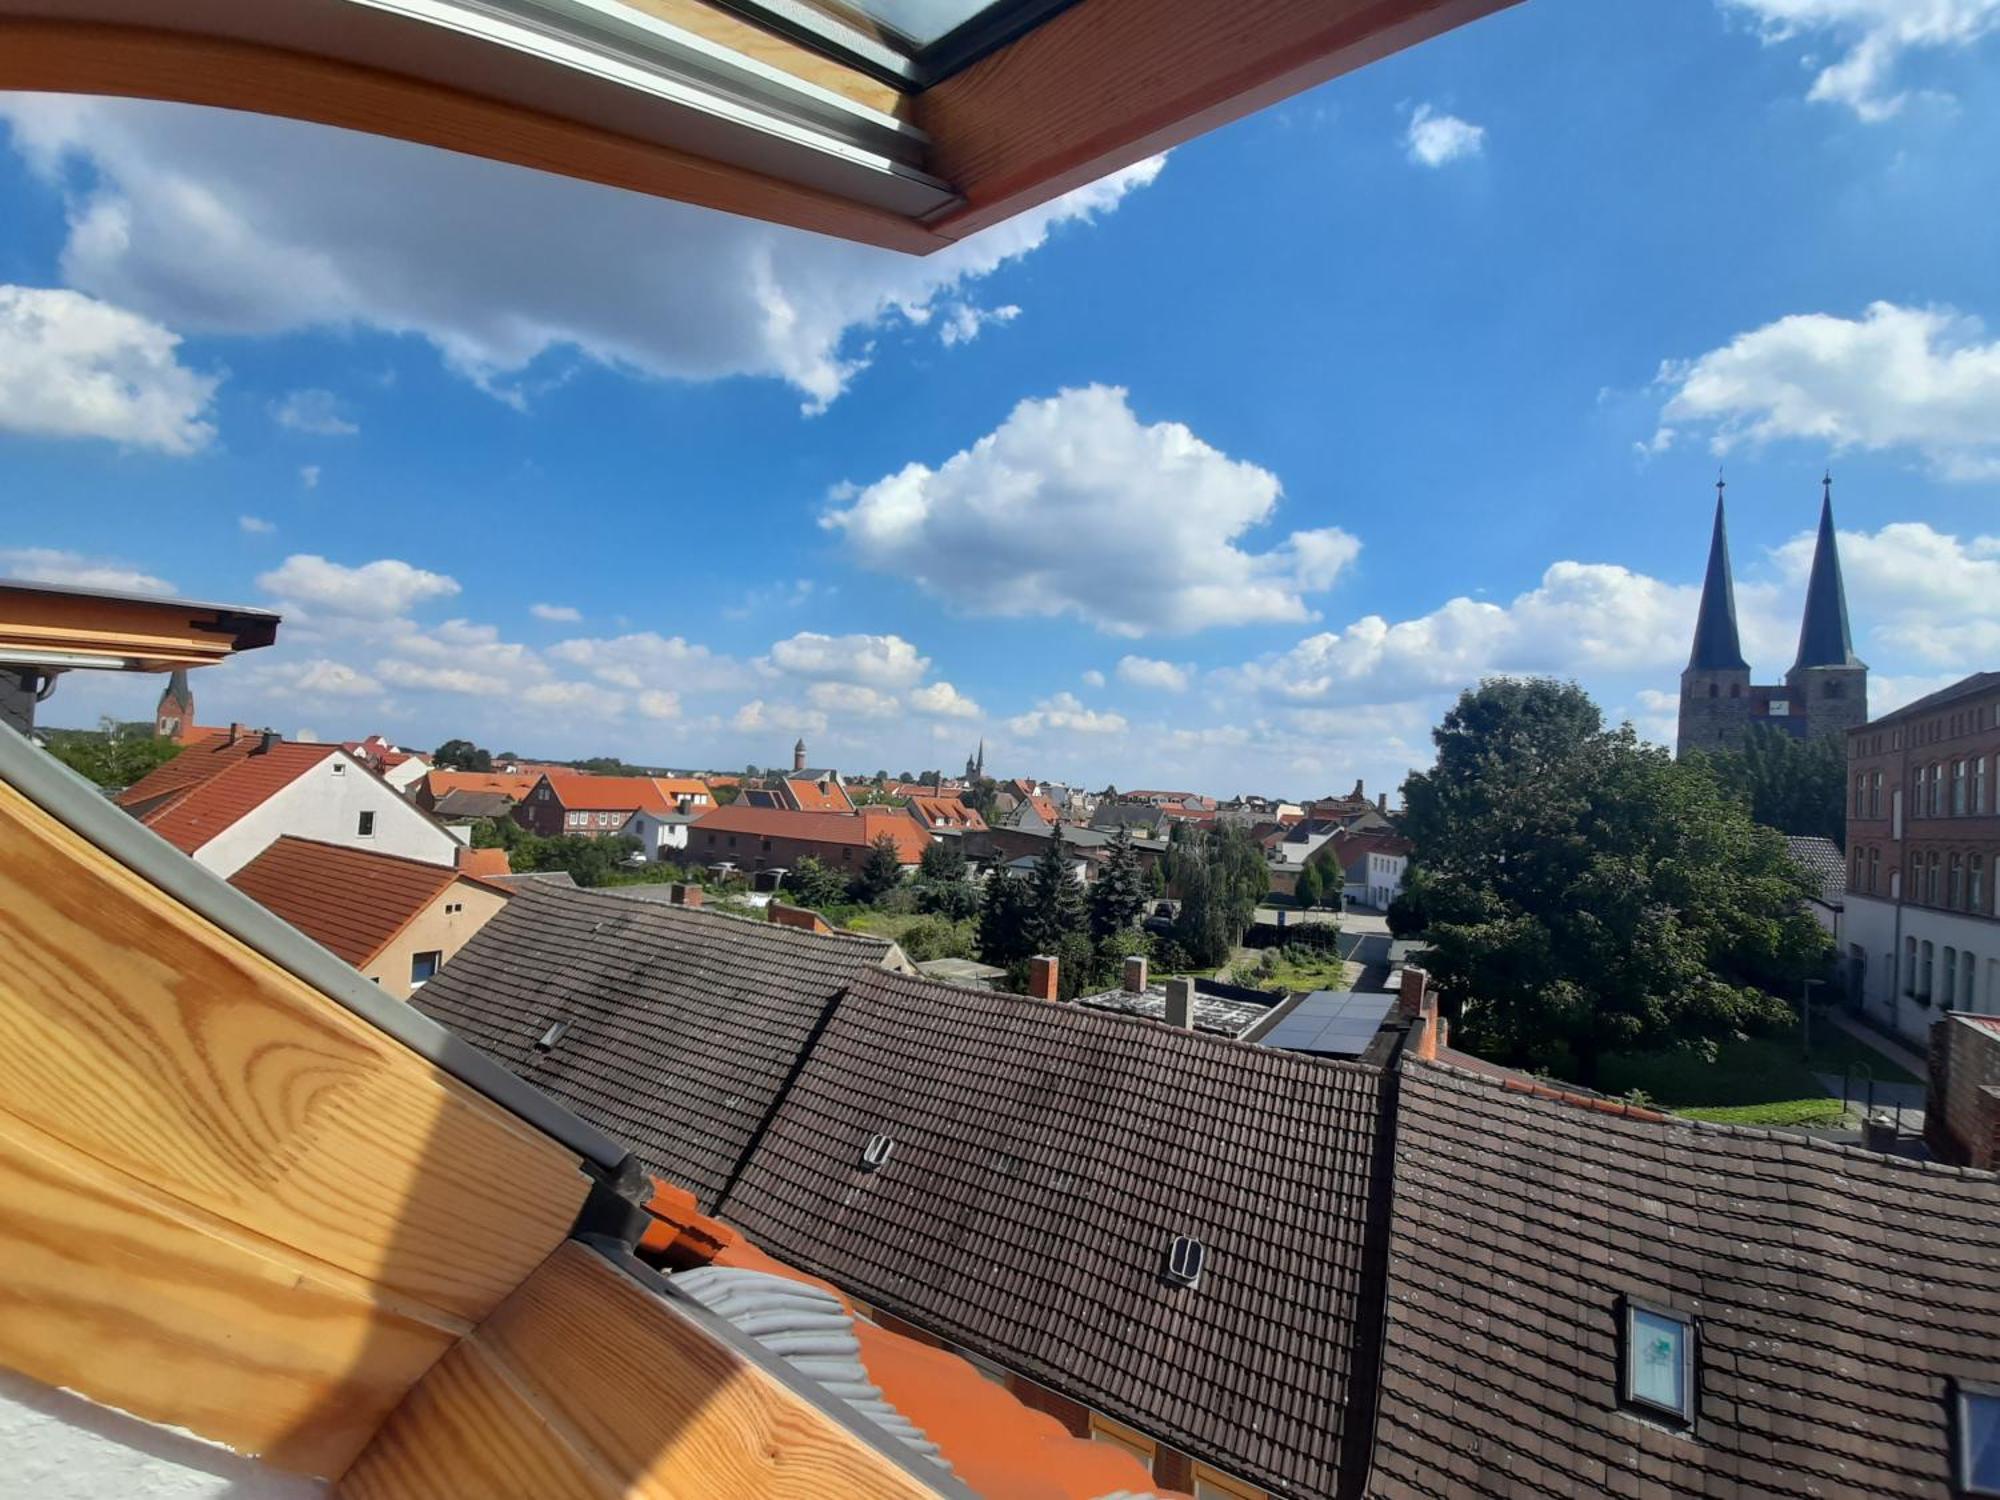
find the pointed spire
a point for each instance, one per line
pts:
(1717, 647)
(1824, 639)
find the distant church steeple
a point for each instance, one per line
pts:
(174, 718)
(1717, 646)
(799, 754)
(1824, 639)
(975, 765)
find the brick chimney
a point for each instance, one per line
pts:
(268, 742)
(1180, 1003)
(1044, 977)
(682, 894)
(803, 918)
(236, 732)
(1382, 802)
(1135, 974)
(1426, 1036)
(1414, 992)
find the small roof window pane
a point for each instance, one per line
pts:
(920, 22)
(1659, 1362)
(1979, 1440)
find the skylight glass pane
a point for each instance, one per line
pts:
(921, 22)
(1981, 1415)
(1656, 1350)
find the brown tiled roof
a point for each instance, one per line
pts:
(1043, 1160)
(579, 792)
(943, 812)
(199, 759)
(1837, 1293)
(233, 781)
(685, 1025)
(440, 783)
(805, 792)
(351, 902)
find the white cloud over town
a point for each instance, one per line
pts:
(1921, 380)
(876, 660)
(560, 614)
(1146, 672)
(72, 366)
(313, 411)
(1435, 140)
(1064, 510)
(311, 585)
(1873, 40)
(216, 222)
(78, 570)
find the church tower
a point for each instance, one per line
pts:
(1715, 688)
(1829, 682)
(799, 754)
(174, 718)
(975, 765)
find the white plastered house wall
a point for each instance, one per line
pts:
(326, 803)
(1868, 923)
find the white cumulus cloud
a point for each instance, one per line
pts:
(225, 222)
(1145, 672)
(313, 411)
(875, 660)
(255, 525)
(1073, 506)
(1433, 139)
(74, 367)
(55, 565)
(1876, 36)
(565, 614)
(1922, 379)
(944, 701)
(380, 590)
(1065, 713)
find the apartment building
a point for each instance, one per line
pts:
(1921, 929)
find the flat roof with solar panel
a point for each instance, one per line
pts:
(1330, 1023)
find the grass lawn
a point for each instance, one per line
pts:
(1761, 1081)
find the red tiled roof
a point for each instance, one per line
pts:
(673, 787)
(484, 862)
(517, 786)
(351, 902)
(858, 828)
(1002, 1448)
(579, 792)
(807, 793)
(204, 754)
(236, 782)
(943, 812)
(1046, 810)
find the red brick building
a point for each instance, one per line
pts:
(589, 806)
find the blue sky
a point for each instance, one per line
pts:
(1225, 473)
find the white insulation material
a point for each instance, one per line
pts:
(55, 1445)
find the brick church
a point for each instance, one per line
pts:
(1826, 690)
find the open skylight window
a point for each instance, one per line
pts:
(1657, 1373)
(912, 43)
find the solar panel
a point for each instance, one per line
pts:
(1335, 1023)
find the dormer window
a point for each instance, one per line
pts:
(1657, 1362)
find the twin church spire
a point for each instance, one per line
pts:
(1824, 637)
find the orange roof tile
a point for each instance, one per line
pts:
(581, 792)
(202, 756)
(858, 828)
(516, 786)
(484, 862)
(351, 902)
(810, 797)
(1000, 1447)
(235, 784)
(682, 786)
(944, 812)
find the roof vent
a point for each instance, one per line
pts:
(553, 1035)
(1184, 1260)
(876, 1153)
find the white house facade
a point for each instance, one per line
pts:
(336, 801)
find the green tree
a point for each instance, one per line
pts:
(980, 796)
(956, 900)
(943, 859)
(1311, 891)
(1003, 920)
(881, 871)
(724, 795)
(462, 755)
(1120, 893)
(589, 861)
(114, 757)
(1582, 893)
(1055, 900)
(811, 882)
(1790, 784)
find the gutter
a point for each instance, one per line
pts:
(85, 811)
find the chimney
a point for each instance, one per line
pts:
(236, 732)
(1135, 974)
(1180, 1003)
(1424, 1036)
(267, 741)
(1044, 977)
(1359, 795)
(1381, 802)
(682, 894)
(1415, 1000)
(801, 917)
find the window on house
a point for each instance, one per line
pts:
(1937, 789)
(1968, 969)
(1860, 788)
(340, 768)
(1978, 1432)
(1118, 1435)
(1875, 794)
(1958, 787)
(1978, 785)
(1714, 691)
(1659, 1362)
(1213, 1484)
(1957, 881)
(424, 966)
(1948, 991)
(364, 826)
(1975, 883)
(1931, 881)
(1926, 955)
(1874, 867)
(1909, 966)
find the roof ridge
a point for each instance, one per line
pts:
(1587, 1102)
(706, 913)
(423, 864)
